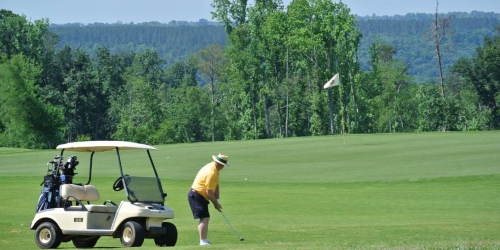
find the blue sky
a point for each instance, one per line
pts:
(137, 11)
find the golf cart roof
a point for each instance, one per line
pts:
(100, 146)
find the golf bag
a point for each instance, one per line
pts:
(49, 196)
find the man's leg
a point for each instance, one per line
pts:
(199, 207)
(203, 228)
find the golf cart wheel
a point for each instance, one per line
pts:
(133, 234)
(85, 241)
(169, 239)
(48, 235)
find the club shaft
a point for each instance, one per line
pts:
(234, 231)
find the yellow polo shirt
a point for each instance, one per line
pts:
(206, 179)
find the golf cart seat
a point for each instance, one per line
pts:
(88, 193)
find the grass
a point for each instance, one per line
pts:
(386, 191)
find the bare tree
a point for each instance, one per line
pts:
(440, 30)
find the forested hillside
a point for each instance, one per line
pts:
(409, 34)
(171, 42)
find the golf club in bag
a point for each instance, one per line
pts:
(68, 170)
(234, 231)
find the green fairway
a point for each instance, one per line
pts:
(382, 191)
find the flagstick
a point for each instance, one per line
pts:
(343, 135)
(334, 81)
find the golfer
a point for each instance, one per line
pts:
(205, 189)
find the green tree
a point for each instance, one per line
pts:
(324, 40)
(482, 71)
(430, 106)
(231, 13)
(241, 80)
(34, 41)
(80, 98)
(140, 115)
(139, 103)
(274, 54)
(472, 115)
(182, 72)
(386, 93)
(274, 32)
(20, 36)
(28, 121)
(267, 49)
(187, 116)
(110, 70)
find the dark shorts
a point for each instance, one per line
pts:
(198, 204)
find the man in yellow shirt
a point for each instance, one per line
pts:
(205, 189)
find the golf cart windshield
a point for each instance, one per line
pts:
(144, 189)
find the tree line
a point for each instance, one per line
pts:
(266, 82)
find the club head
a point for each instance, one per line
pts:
(242, 239)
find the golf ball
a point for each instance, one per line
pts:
(246, 179)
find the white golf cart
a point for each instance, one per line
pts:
(69, 215)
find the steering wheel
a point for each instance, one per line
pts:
(118, 185)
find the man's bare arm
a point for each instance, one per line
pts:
(213, 199)
(217, 192)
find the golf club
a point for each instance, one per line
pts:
(234, 231)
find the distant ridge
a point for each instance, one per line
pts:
(204, 22)
(176, 40)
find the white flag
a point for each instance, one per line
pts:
(335, 81)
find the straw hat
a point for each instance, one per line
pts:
(221, 158)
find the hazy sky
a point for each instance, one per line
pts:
(164, 11)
